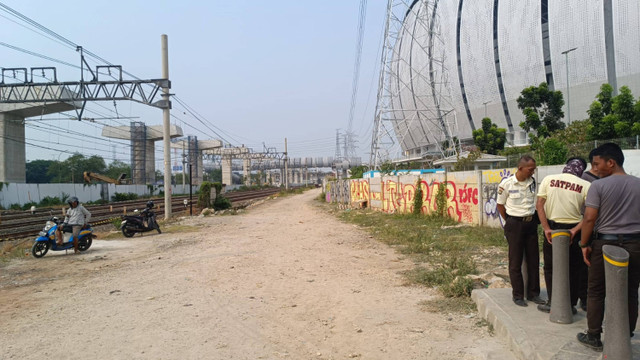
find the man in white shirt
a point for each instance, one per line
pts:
(517, 205)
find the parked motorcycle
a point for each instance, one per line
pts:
(145, 221)
(46, 239)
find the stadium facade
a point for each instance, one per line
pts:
(453, 62)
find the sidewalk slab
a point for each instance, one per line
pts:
(529, 333)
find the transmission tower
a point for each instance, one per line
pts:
(414, 107)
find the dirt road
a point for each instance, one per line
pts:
(283, 280)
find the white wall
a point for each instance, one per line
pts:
(16, 193)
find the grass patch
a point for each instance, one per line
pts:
(450, 305)
(14, 249)
(484, 323)
(445, 253)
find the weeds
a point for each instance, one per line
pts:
(444, 254)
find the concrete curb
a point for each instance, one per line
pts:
(529, 333)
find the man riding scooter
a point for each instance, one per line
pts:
(77, 217)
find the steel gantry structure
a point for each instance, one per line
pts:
(74, 92)
(413, 58)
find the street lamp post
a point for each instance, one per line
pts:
(485, 107)
(566, 57)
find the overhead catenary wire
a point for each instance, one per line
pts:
(203, 125)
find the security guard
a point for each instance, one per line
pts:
(613, 210)
(516, 204)
(560, 202)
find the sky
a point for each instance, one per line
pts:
(255, 72)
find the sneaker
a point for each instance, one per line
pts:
(520, 302)
(537, 299)
(590, 341)
(546, 307)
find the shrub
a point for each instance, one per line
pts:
(51, 201)
(221, 203)
(116, 222)
(124, 196)
(417, 199)
(28, 205)
(441, 201)
(204, 197)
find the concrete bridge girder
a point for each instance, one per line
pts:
(12, 141)
(142, 150)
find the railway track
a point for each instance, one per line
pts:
(20, 224)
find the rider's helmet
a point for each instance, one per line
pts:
(71, 200)
(150, 204)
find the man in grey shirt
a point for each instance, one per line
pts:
(77, 217)
(613, 210)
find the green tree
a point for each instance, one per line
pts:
(613, 116)
(605, 98)
(542, 109)
(214, 175)
(116, 168)
(38, 171)
(553, 152)
(177, 178)
(358, 171)
(490, 138)
(387, 167)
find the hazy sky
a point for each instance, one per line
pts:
(256, 71)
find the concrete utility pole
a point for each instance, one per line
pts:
(166, 123)
(286, 166)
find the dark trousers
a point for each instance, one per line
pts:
(523, 242)
(597, 288)
(578, 270)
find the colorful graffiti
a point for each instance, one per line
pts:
(490, 181)
(359, 190)
(471, 196)
(462, 199)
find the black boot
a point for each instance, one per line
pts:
(590, 341)
(546, 307)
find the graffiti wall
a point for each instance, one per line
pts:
(338, 191)
(490, 181)
(375, 193)
(397, 193)
(471, 195)
(359, 189)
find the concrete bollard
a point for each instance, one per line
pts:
(561, 302)
(617, 343)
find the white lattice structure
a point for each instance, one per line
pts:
(414, 97)
(490, 50)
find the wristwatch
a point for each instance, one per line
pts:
(585, 245)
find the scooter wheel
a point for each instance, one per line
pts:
(127, 232)
(39, 249)
(85, 244)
